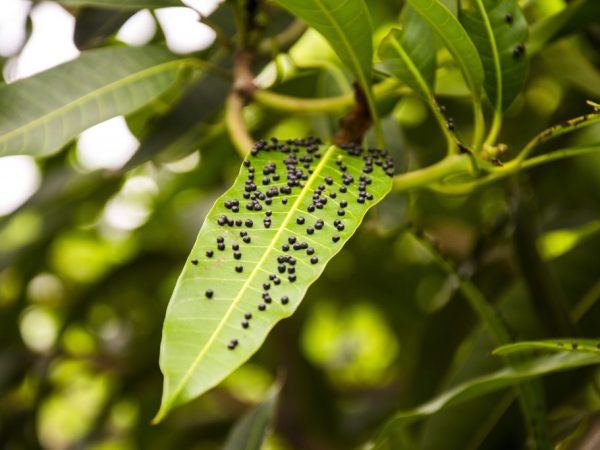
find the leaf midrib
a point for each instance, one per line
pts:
(83, 99)
(282, 228)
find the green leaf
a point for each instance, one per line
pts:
(252, 430)
(197, 330)
(122, 4)
(479, 386)
(497, 30)
(95, 25)
(556, 345)
(99, 85)
(347, 27)
(455, 38)
(409, 54)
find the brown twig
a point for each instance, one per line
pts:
(356, 122)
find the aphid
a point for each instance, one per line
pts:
(237, 255)
(262, 307)
(239, 269)
(221, 246)
(285, 247)
(292, 278)
(314, 260)
(343, 203)
(281, 268)
(266, 286)
(291, 261)
(235, 247)
(519, 50)
(508, 18)
(310, 251)
(246, 239)
(209, 253)
(248, 316)
(276, 281)
(272, 276)
(292, 239)
(335, 238)
(291, 269)
(220, 239)
(300, 220)
(195, 261)
(340, 227)
(341, 212)
(284, 300)
(249, 223)
(266, 297)
(245, 324)
(232, 344)
(209, 293)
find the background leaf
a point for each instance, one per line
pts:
(251, 431)
(557, 345)
(99, 85)
(217, 288)
(122, 4)
(455, 38)
(409, 54)
(497, 35)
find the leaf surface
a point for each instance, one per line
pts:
(40, 114)
(479, 386)
(409, 54)
(261, 260)
(556, 345)
(498, 29)
(251, 431)
(455, 38)
(122, 4)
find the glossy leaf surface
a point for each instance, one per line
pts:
(499, 31)
(99, 85)
(255, 257)
(455, 38)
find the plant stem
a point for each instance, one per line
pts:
(479, 123)
(450, 165)
(235, 124)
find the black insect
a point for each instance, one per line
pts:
(292, 239)
(246, 239)
(310, 230)
(266, 286)
(245, 324)
(291, 269)
(249, 223)
(314, 260)
(508, 18)
(285, 247)
(237, 255)
(209, 293)
(310, 251)
(281, 268)
(232, 344)
(195, 261)
(341, 212)
(239, 269)
(335, 238)
(209, 253)
(343, 203)
(262, 307)
(235, 247)
(292, 278)
(519, 50)
(248, 316)
(221, 246)
(285, 300)
(220, 239)
(300, 220)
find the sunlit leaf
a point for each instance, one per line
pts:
(455, 38)
(99, 85)
(499, 31)
(250, 269)
(251, 431)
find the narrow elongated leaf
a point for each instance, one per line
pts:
(556, 345)
(479, 386)
(499, 31)
(409, 54)
(39, 115)
(255, 257)
(122, 4)
(252, 430)
(455, 38)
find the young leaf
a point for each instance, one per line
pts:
(122, 4)
(499, 31)
(486, 384)
(556, 345)
(409, 54)
(455, 38)
(99, 85)
(264, 242)
(251, 431)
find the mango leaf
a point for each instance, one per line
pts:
(265, 241)
(95, 25)
(347, 27)
(252, 430)
(409, 54)
(556, 345)
(395, 431)
(499, 31)
(122, 4)
(455, 38)
(99, 85)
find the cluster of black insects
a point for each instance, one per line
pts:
(299, 168)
